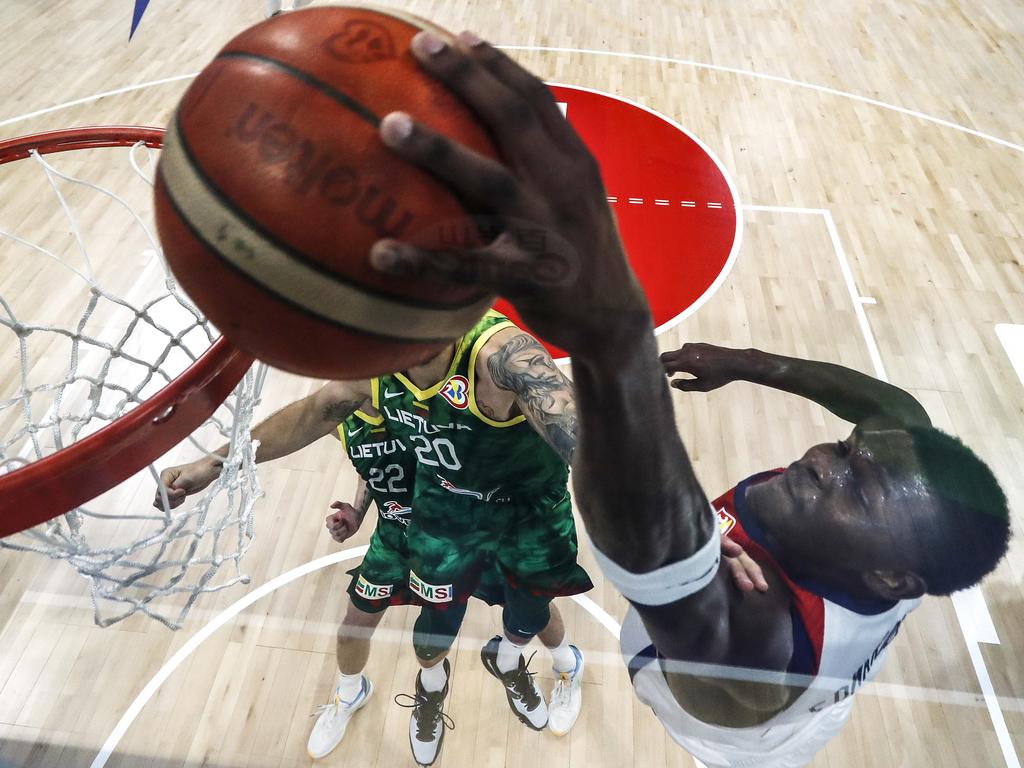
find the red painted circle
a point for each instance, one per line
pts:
(683, 228)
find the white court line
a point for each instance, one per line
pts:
(878, 690)
(776, 79)
(222, 618)
(1012, 339)
(96, 97)
(640, 56)
(202, 635)
(972, 612)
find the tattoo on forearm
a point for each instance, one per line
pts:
(362, 501)
(522, 366)
(339, 410)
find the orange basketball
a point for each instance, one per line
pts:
(274, 184)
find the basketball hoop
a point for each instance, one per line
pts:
(153, 375)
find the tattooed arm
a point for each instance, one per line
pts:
(519, 365)
(293, 427)
(297, 425)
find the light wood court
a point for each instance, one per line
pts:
(928, 216)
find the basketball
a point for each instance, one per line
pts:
(274, 184)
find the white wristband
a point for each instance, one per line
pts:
(669, 583)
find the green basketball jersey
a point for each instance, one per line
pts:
(456, 447)
(383, 461)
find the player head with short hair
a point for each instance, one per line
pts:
(890, 513)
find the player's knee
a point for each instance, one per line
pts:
(523, 619)
(357, 617)
(435, 631)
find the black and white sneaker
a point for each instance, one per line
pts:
(524, 698)
(428, 722)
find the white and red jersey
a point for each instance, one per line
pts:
(838, 641)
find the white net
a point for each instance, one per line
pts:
(91, 325)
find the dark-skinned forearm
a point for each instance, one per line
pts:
(847, 393)
(635, 488)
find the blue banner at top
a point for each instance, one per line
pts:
(140, 8)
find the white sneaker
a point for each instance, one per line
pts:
(524, 697)
(428, 721)
(333, 719)
(566, 698)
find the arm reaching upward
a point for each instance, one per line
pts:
(571, 283)
(849, 394)
(633, 479)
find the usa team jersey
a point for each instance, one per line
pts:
(839, 641)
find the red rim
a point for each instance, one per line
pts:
(57, 483)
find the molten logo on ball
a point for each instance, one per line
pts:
(361, 42)
(309, 170)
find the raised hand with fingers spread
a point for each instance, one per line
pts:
(558, 257)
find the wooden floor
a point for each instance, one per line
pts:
(930, 218)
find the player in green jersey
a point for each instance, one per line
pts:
(463, 415)
(386, 468)
(518, 411)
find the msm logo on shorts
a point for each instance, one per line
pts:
(433, 593)
(370, 591)
(456, 392)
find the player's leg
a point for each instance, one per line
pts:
(433, 634)
(523, 616)
(378, 582)
(537, 551)
(352, 688)
(567, 663)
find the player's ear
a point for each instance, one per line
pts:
(895, 585)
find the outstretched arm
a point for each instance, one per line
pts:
(633, 479)
(571, 283)
(293, 427)
(849, 394)
(518, 363)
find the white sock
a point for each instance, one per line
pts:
(433, 678)
(562, 657)
(349, 686)
(508, 655)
